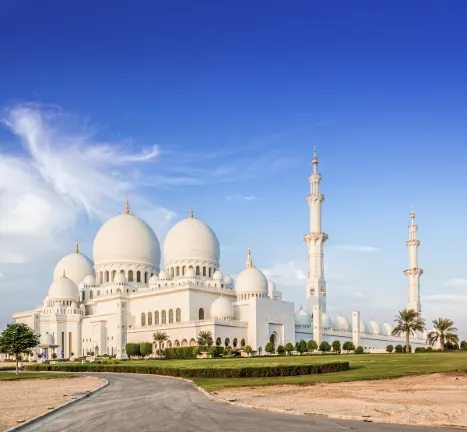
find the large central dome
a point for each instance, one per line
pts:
(191, 239)
(126, 239)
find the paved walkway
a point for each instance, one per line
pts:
(151, 403)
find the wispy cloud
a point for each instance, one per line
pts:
(291, 273)
(456, 282)
(357, 248)
(241, 197)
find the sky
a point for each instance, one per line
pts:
(219, 105)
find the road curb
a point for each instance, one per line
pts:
(40, 417)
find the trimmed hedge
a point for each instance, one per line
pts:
(181, 353)
(240, 372)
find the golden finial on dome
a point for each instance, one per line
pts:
(249, 261)
(127, 206)
(191, 211)
(412, 215)
(77, 247)
(315, 158)
(64, 274)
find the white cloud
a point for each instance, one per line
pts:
(241, 197)
(291, 274)
(357, 248)
(456, 282)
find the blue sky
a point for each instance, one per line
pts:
(219, 105)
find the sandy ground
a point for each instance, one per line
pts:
(23, 400)
(430, 399)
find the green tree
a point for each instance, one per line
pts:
(408, 322)
(302, 346)
(18, 339)
(280, 350)
(159, 338)
(398, 348)
(248, 349)
(443, 332)
(464, 345)
(312, 345)
(205, 338)
(404, 349)
(260, 350)
(325, 347)
(269, 348)
(359, 350)
(145, 348)
(389, 349)
(336, 346)
(348, 346)
(289, 348)
(54, 356)
(132, 350)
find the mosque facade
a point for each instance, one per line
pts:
(124, 295)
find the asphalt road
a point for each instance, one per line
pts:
(151, 403)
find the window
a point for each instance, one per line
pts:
(242, 343)
(149, 318)
(107, 276)
(183, 270)
(101, 278)
(84, 296)
(178, 271)
(178, 315)
(130, 275)
(145, 277)
(235, 343)
(197, 270)
(98, 293)
(91, 294)
(156, 317)
(164, 317)
(172, 272)
(201, 314)
(204, 271)
(218, 341)
(143, 319)
(171, 316)
(138, 276)
(210, 271)
(114, 273)
(227, 342)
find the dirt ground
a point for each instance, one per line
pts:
(23, 400)
(439, 399)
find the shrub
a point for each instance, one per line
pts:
(410, 348)
(359, 350)
(325, 347)
(398, 348)
(389, 349)
(281, 350)
(248, 349)
(181, 353)
(463, 345)
(289, 348)
(216, 351)
(429, 349)
(269, 348)
(208, 372)
(145, 348)
(312, 345)
(132, 350)
(107, 361)
(336, 346)
(260, 350)
(420, 350)
(348, 346)
(302, 346)
(54, 355)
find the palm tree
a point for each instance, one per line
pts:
(205, 338)
(444, 332)
(160, 337)
(408, 322)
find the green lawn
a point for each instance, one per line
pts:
(11, 376)
(362, 367)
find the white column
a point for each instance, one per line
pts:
(317, 324)
(315, 240)
(121, 330)
(413, 273)
(356, 328)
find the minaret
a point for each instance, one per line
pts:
(413, 273)
(315, 240)
(249, 261)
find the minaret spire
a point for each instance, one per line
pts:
(127, 206)
(191, 211)
(413, 273)
(315, 240)
(77, 247)
(249, 261)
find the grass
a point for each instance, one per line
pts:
(8, 376)
(362, 367)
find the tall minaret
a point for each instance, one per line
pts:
(413, 273)
(315, 239)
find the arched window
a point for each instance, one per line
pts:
(201, 314)
(204, 271)
(164, 317)
(107, 276)
(122, 272)
(114, 273)
(197, 270)
(227, 342)
(101, 278)
(183, 270)
(145, 277)
(84, 296)
(218, 341)
(178, 315)
(130, 275)
(172, 272)
(210, 272)
(184, 343)
(178, 270)
(149, 318)
(91, 294)
(192, 342)
(98, 293)
(242, 343)
(235, 343)
(143, 319)
(156, 317)
(171, 316)
(138, 276)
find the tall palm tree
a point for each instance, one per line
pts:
(408, 322)
(160, 337)
(444, 332)
(205, 338)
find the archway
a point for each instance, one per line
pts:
(273, 339)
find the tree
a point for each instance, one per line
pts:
(54, 356)
(404, 349)
(280, 350)
(302, 346)
(398, 348)
(289, 348)
(269, 348)
(132, 350)
(18, 339)
(464, 345)
(443, 332)
(248, 349)
(325, 347)
(359, 350)
(145, 348)
(205, 338)
(408, 322)
(260, 350)
(336, 346)
(160, 337)
(389, 349)
(312, 345)
(348, 346)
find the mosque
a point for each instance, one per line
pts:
(124, 295)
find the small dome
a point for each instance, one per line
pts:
(76, 266)
(326, 322)
(163, 275)
(251, 280)
(217, 275)
(120, 278)
(386, 329)
(341, 323)
(47, 339)
(373, 327)
(222, 308)
(271, 285)
(63, 289)
(362, 326)
(89, 280)
(228, 280)
(302, 318)
(190, 273)
(153, 279)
